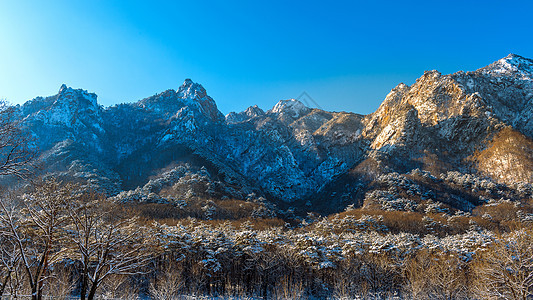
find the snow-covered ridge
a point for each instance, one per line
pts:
(64, 107)
(292, 107)
(511, 65)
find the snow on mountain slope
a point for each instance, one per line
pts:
(71, 114)
(291, 107)
(512, 65)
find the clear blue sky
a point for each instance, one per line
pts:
(346, 54)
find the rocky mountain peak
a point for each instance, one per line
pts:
(291, 107)
(401, 87)
(512, 65)
(250, 112)
(71, 114)
(77, 96)
(190, 96)
(254, 111)
(194, 94)
(66, 103)
(191, 90)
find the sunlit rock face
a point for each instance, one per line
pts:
(458, 117)
(478, 122)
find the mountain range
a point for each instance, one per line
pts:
(447, 141)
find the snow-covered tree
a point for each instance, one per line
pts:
(16, 155)
(34, 225)
(505, 270)
(105, 244)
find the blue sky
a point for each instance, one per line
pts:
(346, 54)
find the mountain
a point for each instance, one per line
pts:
(460, 118)
(417, 149)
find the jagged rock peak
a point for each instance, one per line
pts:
(247, 114)
(78, 96)
(195, 94)
(191, 90)
(254, 111)
(512, 65)
(291, 107)
(429, 74)
(62, 88)
(518, 61)
(400, 87)
(190, 94)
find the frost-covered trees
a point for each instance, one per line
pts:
(56, 227)
(506, 267)
(57, 239)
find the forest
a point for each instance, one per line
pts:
(59, 241)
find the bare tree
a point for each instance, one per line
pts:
(168, 283)
(416, 273)
(16, 155)
(60, 283)
(287, 288)
(505, 271)
(119, 287)
(35, 227)
(104, 244)
(433, 274)
(9, 262)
